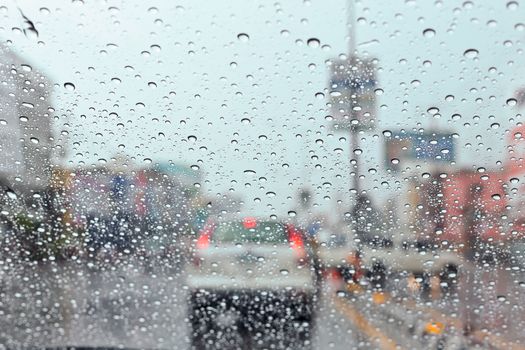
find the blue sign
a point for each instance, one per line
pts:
(428, 146)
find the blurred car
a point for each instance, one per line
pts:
(247, 274)
(338, 255)
(420, 259)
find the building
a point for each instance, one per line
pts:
(26, 136)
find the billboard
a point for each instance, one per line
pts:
(426, 147)
(352, 92)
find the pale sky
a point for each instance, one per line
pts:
(175, 80)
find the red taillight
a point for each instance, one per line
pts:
(205, 236)
(203, 241)
(296, 241)
(249, 223)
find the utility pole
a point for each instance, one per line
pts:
(352, 94)
(354, 128)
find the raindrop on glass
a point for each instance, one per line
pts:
(313, 42)
(471, 53)
(243, 37)
(69, 86)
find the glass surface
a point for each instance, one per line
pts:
(378, 143)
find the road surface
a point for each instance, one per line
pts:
(127, 305)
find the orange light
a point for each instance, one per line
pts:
(378, 298)
(249, 223)
(434, 328)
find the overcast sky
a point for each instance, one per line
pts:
(230, 86)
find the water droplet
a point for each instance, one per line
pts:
(26, 68)
(152, 84)
(284, 272)
(429, 33)
(494, 125)
(387, 133)
(394, 161)
(496, 196)
(492, 23)
(34, 140)
(512, 5)
(249, 172)
(379, 92)
(292, 213)
(313, 42)
(192, 138)
(69, 86)
(511, 102)
(243, 37)
(433, 110)
(514, 180)
(147, 160)
(246, 121)
(11, 194)
(28, 105)
(319, 95)
(471, 53)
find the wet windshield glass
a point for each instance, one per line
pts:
(249, 174)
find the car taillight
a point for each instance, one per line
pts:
(203, 242)
(297, 244)
(205, 236)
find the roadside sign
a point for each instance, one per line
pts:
(403, 146)
(352, 90)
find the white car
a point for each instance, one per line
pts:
(247, 273)
(420, 259)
